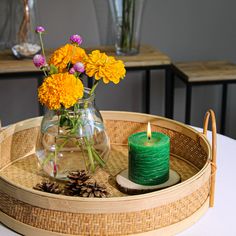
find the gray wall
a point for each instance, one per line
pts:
(186, 30)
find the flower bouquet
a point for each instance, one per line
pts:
(72, 134)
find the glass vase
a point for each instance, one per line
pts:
(73, 139)
(26, 43)
(127, 19)
(7, 27)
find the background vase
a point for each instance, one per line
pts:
(9, 22)
(26, 43)
(127, 20)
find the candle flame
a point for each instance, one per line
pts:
(149, 132)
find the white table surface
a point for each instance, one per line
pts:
(220, 220)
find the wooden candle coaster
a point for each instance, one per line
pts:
(127, 186)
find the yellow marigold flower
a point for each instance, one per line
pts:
(101, 66)
(68, 53)
(61, 89)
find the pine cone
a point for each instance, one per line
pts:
(81, 176)
(49, 187)
(75, 182)
(93, 190)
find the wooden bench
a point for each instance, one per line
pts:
(202, 73)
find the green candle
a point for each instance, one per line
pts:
(149, 158)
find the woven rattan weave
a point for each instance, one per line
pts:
(167, 211)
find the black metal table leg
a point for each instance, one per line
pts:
(223, 107)
(188, 103)
(40, 81)
(169, 92)
(147, 85)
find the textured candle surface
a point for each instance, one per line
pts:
(149, 159)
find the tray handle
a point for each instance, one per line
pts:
(210, 113)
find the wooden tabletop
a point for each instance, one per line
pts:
(148, 56)
(208, 71)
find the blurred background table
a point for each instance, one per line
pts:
(148, 59)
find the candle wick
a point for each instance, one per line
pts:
(149, 137)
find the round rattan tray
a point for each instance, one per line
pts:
(163, 212)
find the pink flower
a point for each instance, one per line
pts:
(79, 67)
(39, 60)
(39, 29)
(72, 70)
(75, 38)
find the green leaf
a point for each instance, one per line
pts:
(53, 69)
(62, 120)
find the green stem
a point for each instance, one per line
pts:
(94, 87)
(58, 148)
(132, 25)
(123, 24)
(41, 42)
(50, 155)
(90, 154)
(127, 29)
(80, 145)
(98, 158)
(91, 92)
(45, 73)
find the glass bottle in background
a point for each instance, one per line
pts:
(26, 45)
(8, 23)
(127, 19)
